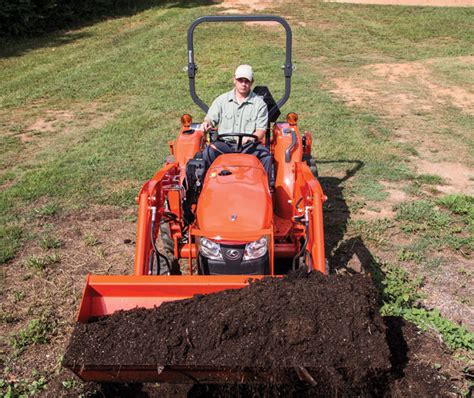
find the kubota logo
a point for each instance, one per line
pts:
(232, 254)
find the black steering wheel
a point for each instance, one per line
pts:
(240, 138)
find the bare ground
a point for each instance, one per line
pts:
(97, 240)
(416, 100)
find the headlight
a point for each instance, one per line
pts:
(255, 249)
(210, 249)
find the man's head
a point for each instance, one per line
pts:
(243, 79)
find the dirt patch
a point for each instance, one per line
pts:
(239, 6)
(394, 73)
(47, 123)
(39, 129)
(451, 292)
(458, 177)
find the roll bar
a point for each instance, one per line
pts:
(192, 67)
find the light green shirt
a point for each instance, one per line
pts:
(249, 116)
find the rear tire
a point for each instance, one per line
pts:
(311, 162)
(314, 170)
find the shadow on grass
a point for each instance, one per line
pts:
(336, 217)
(12, 47)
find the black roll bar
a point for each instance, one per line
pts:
(192, 67)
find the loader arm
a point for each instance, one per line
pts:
(152, 196)
(308, 191)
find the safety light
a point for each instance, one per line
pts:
(186, 120)
(292, 118)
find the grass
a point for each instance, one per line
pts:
(420, 215)
(37, 331)
(459, 204)
(49, 209)
(125, 75)
(373, 231)
(40, 263)
(48, 241)
(437, 228)
(18, 296)
(10, 241)
(23, 388)
(91, 240)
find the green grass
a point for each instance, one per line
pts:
(50, 242)
(49, 209)
(416, 252)
(373, 231)
(436, 228)
(124, 82)
(429, 179)
(357, 34)
(37, 331)
(420, 215)
(23, 388)
(40, 263)
(10, 241)
(459, 204)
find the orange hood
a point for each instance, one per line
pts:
(235, 198)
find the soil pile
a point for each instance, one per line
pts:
(330, 325)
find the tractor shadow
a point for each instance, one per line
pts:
(339, 250)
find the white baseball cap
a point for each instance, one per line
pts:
(244, 71)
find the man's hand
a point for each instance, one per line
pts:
(245, 140)
(206, 125)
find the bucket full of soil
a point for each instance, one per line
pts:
(325, 330)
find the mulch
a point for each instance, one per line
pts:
(328, 325)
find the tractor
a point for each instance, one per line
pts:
(202, 231)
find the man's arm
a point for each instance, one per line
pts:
(213, 116)
(262, 121)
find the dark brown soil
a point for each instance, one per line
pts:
(330, 325)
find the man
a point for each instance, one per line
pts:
(238, 111)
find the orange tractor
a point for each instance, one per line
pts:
(202, 231)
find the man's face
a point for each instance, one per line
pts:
(242, 86)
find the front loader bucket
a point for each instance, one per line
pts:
(104, 295)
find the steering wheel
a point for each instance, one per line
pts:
(240, 138)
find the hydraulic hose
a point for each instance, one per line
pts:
(305, 243)
(157, 253)
(303, 248)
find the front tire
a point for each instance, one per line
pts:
(165, 245)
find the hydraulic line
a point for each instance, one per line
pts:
(305, 243)
(157, 253)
